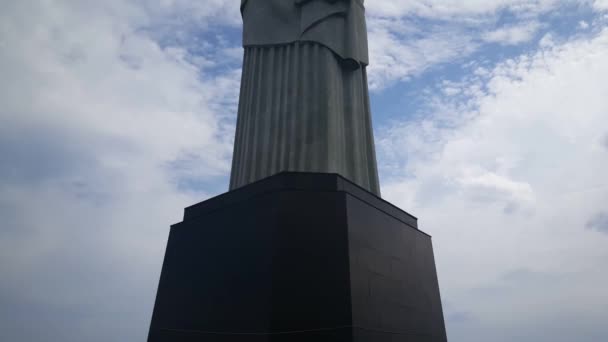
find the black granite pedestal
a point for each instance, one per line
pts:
(298, 257)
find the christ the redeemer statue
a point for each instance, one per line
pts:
(305, 255)
(304, 101)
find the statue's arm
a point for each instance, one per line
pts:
(297, 2)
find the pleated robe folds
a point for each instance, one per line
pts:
(303, 109)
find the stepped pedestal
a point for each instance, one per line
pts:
(298, 257)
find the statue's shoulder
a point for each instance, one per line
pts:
(315, 11)
(270, 22)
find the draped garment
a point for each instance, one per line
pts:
(304, 102)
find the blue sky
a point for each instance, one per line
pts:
(491, 124)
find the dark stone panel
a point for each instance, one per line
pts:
(297, 257)
(396, 262)
(300, 181)
(374, 260)
(331, 335)
(310, 281)
(216, 268)
(365, 335)
(277, 183)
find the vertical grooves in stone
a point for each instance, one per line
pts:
(340, 113)
(313, 139)
(295, 110)
(361, 131)
(250, 110)
(239, 134)
(348, 129)
(283, 162)
(324, 110)
(304, 107)
(301, 110)
(372, 168)
(266, 118)
(240, 149)
(259, 116)
(275, 131)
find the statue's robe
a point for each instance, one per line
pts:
(337, 24)
(304, 103)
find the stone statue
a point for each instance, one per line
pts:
(304, 101)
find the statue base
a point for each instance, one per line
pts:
(298, 257)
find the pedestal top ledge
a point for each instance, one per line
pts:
(298, 181)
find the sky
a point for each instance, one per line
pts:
(491, 126)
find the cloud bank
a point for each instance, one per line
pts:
(506, 168)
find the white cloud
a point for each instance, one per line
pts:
(408, 38)
(513, 35)
(599, 222)
(506, 174)
(546, 41)
(458, 10)
(396, 55)
(600, 5)
(99, 126)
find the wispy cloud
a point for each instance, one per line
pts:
(466, 10)
(513, 35)
(99, 123)
(409, 37)
(496, 163)
(601, 5)
(599, 222)
(400, 50)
